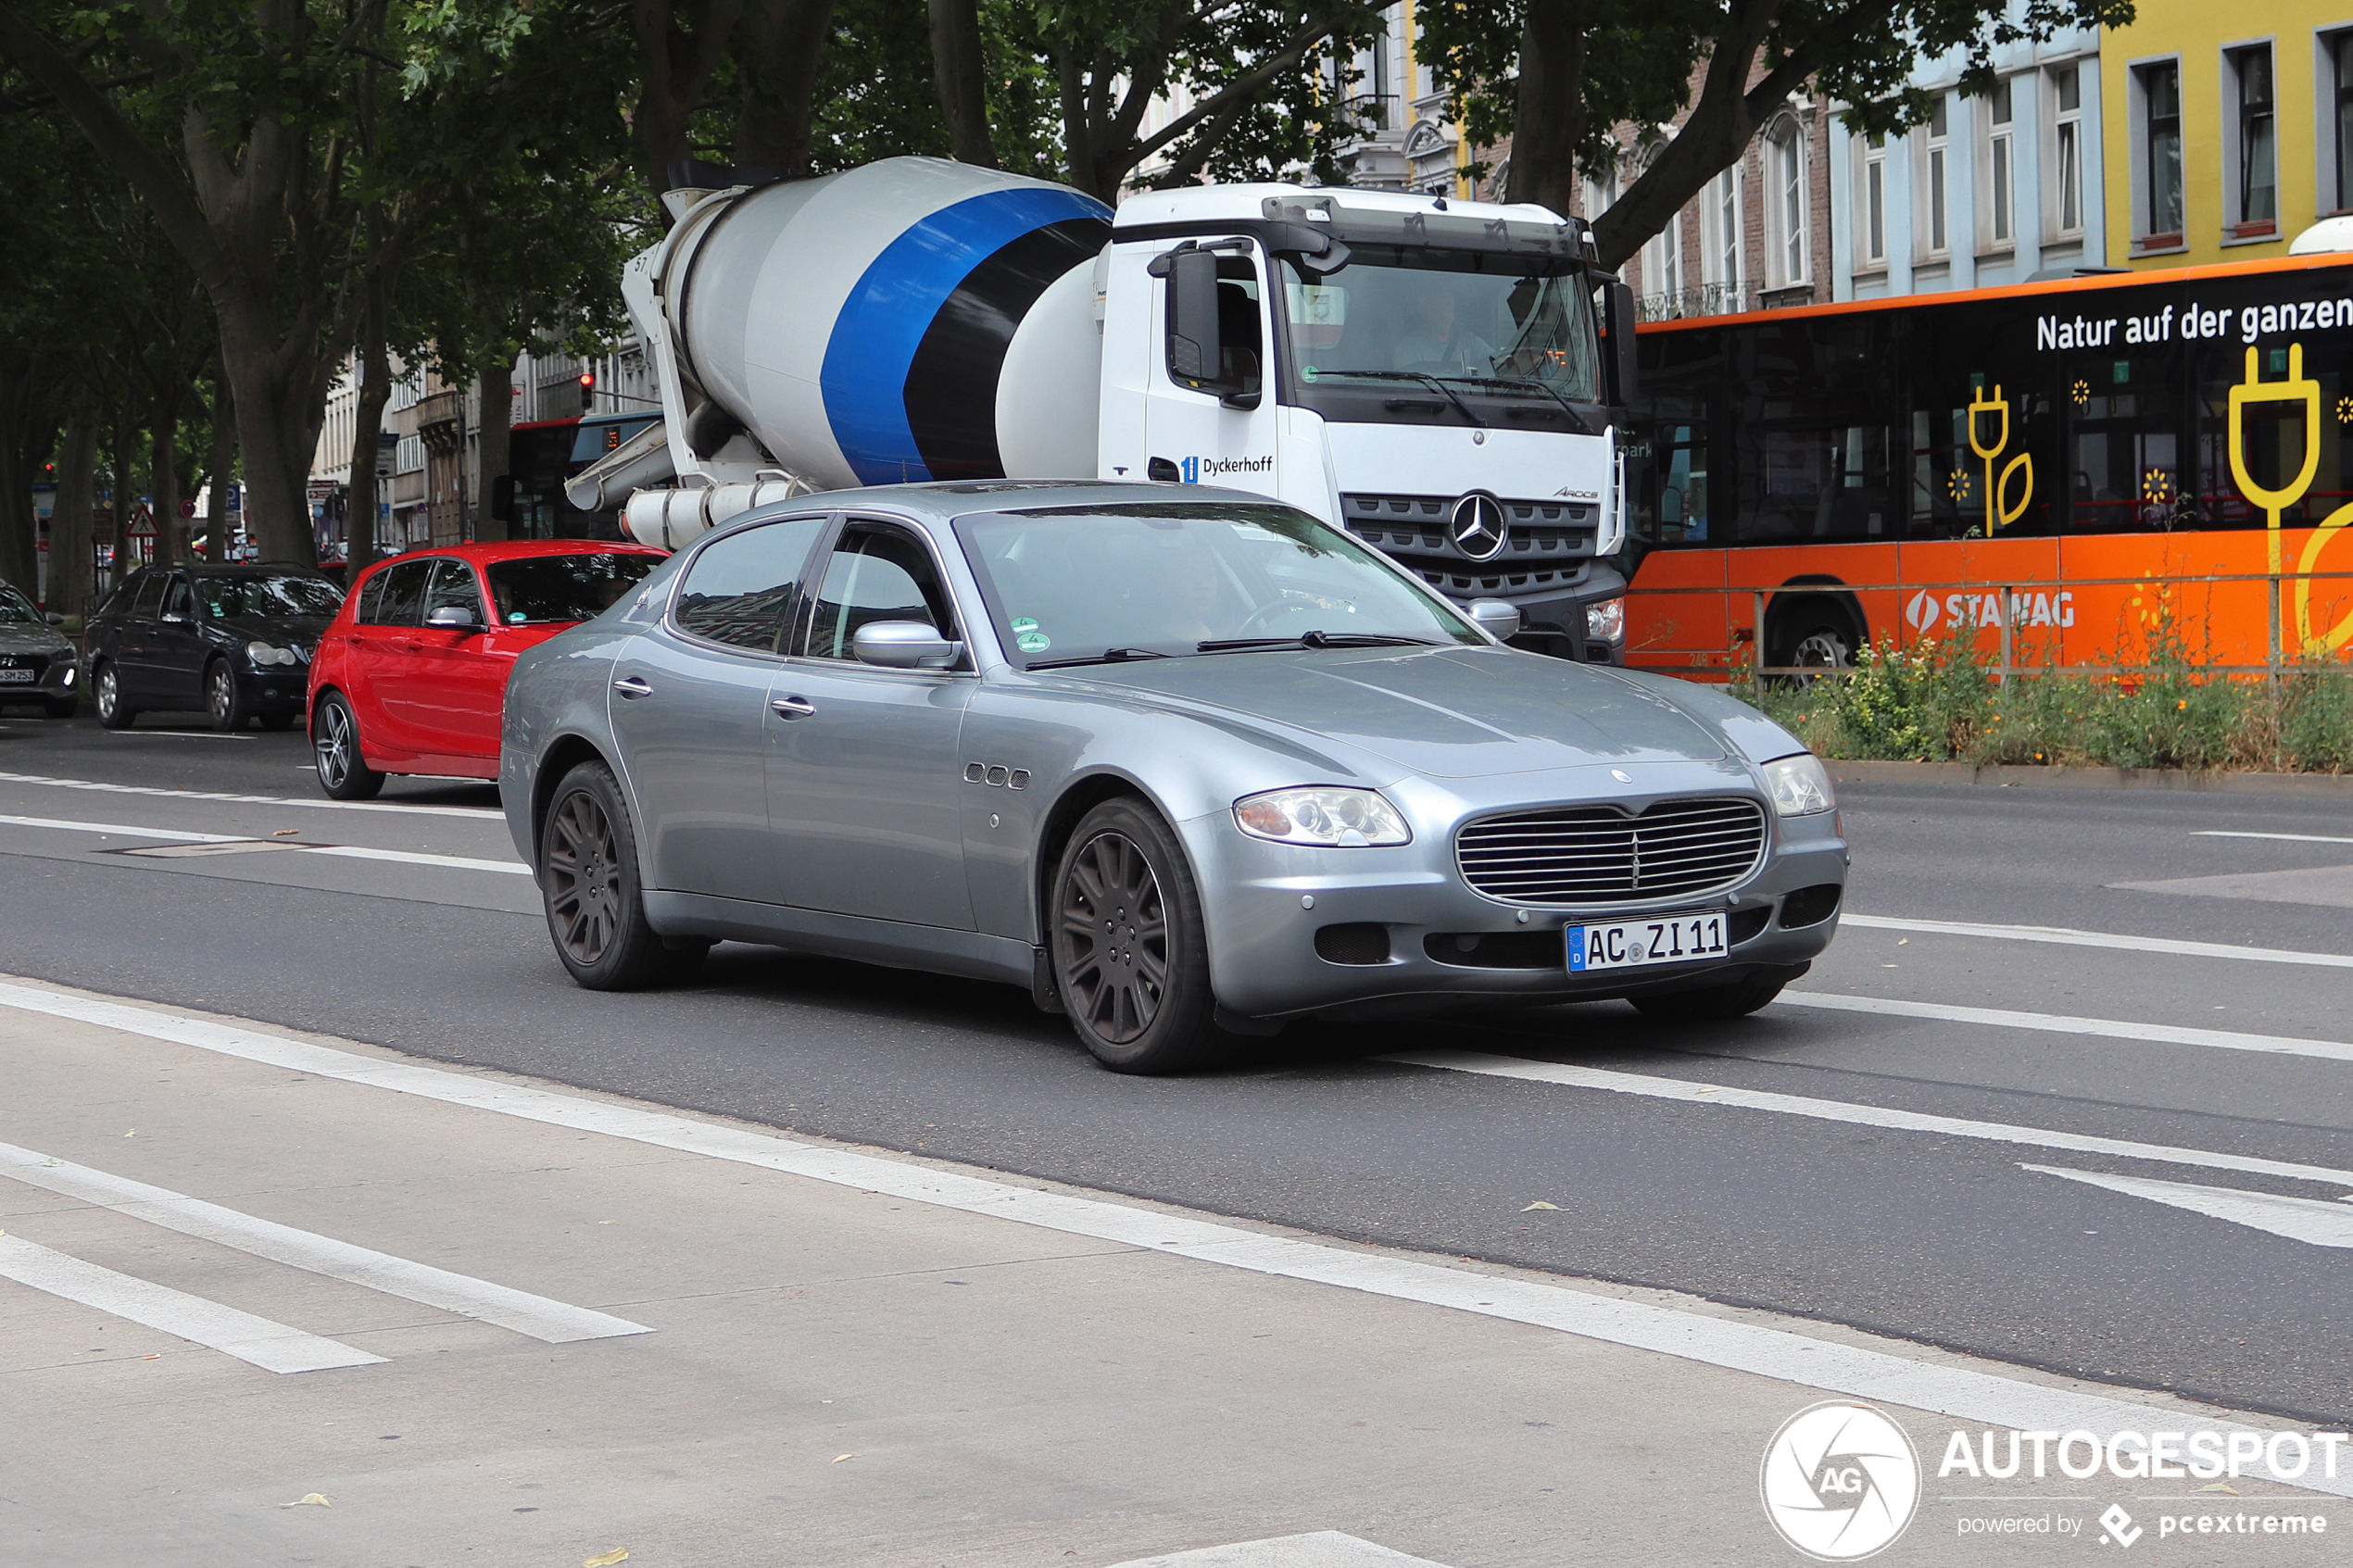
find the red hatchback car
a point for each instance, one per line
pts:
(411, 674)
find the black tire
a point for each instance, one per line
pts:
(590, 888)
(226, 708)
(343, 773)
(281, 720)
(113, 711)
(1707, 1004)
(1811, 638)
(1130, 952)
(62, 708)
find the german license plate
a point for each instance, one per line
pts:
(1636, 944)
(19, 677)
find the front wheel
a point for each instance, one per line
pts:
(224, 706)
(343, 773)
(113, 712)
(1130, 954)
(588, 882)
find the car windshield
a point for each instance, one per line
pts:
(230, 598)
(1170, 579)
(1397, 313)
(542, 590)
(16, 608)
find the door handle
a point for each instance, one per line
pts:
(792, 706)
(633, 686)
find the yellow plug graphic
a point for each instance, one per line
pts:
(1999, 513)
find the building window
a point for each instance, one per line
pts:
(2000, 173)
(1874, 158)
(2161, 151)
(1663, 262)
(1935, 167)
(2256, 209)
(1723, 229)
(2338, 127)
(2067, 150)
(1787, 163)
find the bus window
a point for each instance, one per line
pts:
(2124, 447)
(1673, 501)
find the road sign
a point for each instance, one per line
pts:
(188, 507)
(143, 523)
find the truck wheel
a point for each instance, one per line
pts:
(113, 712)
(1130, 953)
(344, 772)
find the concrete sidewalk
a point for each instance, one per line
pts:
(832, 1375)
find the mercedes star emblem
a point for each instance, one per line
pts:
(1478, 527)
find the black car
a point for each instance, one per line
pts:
(234, 640)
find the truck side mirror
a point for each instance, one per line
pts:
(1196, 348)
(1620, 327)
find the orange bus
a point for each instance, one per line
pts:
(2055, 468)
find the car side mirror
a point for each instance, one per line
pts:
(455, 618)
(53, 618)
(173, 618)
(903, 645)
(1494, 617)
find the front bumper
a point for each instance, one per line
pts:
(57, 680)
(1265, 904)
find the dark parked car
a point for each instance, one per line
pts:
(37, 663)
(233, 641)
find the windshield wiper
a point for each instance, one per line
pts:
(1316, 640)
(1433, 382)
(1109, 656)
(1584, 426)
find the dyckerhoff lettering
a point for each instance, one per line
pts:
(1235, 465)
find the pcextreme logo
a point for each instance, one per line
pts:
(1840, 1481)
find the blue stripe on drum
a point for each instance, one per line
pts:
(882, 321)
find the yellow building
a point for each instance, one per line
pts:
(2228, 131)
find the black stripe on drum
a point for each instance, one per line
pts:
(952, 383)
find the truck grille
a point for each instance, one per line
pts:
(1550, 549)
(1604, 855)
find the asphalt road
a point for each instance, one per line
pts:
(2219, 1080)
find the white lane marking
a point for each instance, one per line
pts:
(1319, 1549)
(2058, 1023)
(477, 812)
(191, 734)
(2290, 837)
(270, 1346)
(1859, 1115)
(1883, 1370)
(342, 851)
(2299, 1219)
(557, 1323)
(2068, 937)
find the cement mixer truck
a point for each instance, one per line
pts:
(1435, 376)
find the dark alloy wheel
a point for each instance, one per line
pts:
(224, 707)
(344, 772)
(1131, 958)
(113, 712)
(588, 882)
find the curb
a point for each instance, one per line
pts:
(2309, 786)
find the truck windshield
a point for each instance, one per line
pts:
(1397, 314)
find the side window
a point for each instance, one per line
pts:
(150, 599)
(741, 590)
(875, 573)
(177, 600)
(371, 595)
(454, 586)
(402, 601)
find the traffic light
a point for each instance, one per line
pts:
(588, 390)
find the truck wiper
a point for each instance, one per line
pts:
(1109, 656)
(1433, 382)
(1584, 427)
(1315, 640)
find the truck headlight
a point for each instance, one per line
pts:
(1800, 785)
(1606, 619)
(1338, 819)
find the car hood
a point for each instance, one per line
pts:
(1442, 713)
(17, 637)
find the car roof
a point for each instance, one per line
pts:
(943, 501)
(517, 549)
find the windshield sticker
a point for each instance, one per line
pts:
(1031, 642)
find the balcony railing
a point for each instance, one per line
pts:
(1708, 299)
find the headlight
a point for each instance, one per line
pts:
(1342, 818)
(1606, 619)
(267, 654)
(1800, 785)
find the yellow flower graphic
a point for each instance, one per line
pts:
(2345, 410)
(2083, 393)
(1958, 483)
(2157, 485)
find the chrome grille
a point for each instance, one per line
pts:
(1603, 855)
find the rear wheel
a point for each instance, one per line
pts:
(588, 882)
(343, 773)
(113, 711)
(1130, 955)
(1810, 638)
(1709, 1003)
(224, 706)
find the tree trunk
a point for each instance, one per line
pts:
(676, 65)
(779, 49)
(960, 72)
(163, 467)
(123, 555)
(1549, 119)
(222, 469)
(69, 522)
(278, 411)
(19, 530)
(496, 396)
